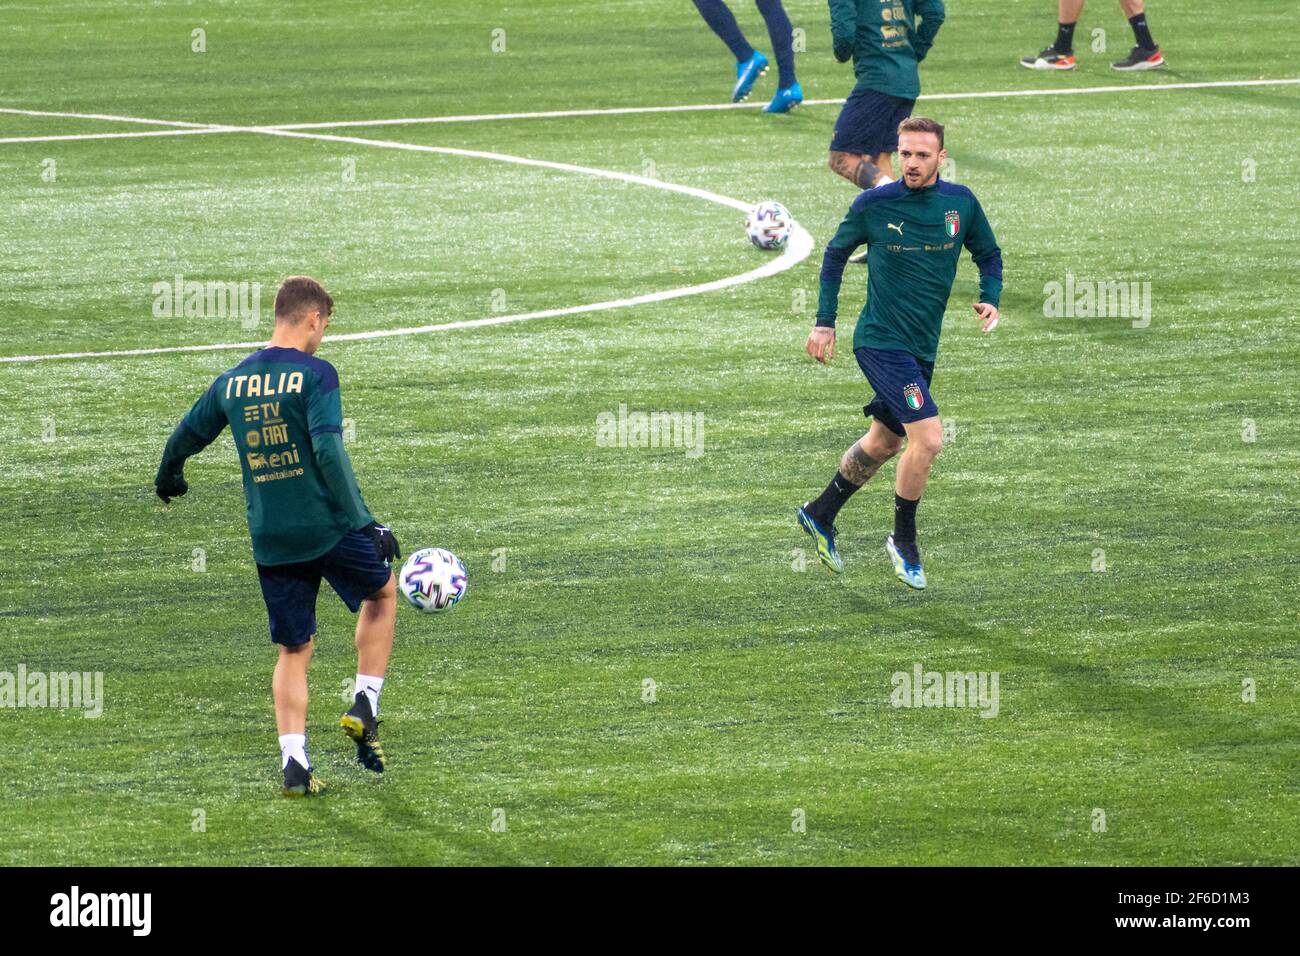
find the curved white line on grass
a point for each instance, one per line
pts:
(623, 110)
(798, 249)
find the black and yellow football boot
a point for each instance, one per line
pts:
(361, 726)
(299, 781)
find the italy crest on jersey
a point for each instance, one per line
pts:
(951, 223)
(912, 394)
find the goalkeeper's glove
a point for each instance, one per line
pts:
(385, 543)
(169, 486)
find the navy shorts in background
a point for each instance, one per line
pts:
(868, 123)
(352, 567)
(902, 384)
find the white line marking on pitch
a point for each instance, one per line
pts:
(133, 135)
(108, 117)
(623, 110)
(799, 248)
(800, 242)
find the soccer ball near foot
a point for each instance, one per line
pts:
(433, 579)
(769, 225)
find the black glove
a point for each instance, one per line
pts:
(385, 543)
(170, 486)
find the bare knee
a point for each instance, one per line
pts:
(883, 448)
(926, 444)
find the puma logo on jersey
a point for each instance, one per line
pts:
(899, 227)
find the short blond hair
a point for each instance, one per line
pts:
(922, 124)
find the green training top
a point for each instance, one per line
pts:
(284, 412)
(914, 238)
(884, 41)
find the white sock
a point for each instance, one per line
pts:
(370, 686)
(295, 746)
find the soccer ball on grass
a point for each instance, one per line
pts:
(769, 225)
(433, 579)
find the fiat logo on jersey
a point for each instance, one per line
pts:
(912, 394)
(951, 222)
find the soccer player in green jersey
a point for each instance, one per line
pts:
(914, 230)
(305, 514)
(886, 44)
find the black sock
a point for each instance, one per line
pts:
(905, 519)
(830, 501)
(1064, 38)
(1141, 32)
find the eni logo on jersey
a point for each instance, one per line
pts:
(247, 386)
(258, 460)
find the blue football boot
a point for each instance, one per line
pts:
(907, 563)
(786, 99)
(747, 74)
(824, 537)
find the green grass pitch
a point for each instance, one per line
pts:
(1167, 454)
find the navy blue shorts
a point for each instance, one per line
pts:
(352, 567)
(868, 123)
(902, 384)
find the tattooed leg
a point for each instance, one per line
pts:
(857, 466)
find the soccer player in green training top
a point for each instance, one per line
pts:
(305, 514)
(914, 230)
(886, 45)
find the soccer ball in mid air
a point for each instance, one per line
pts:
(769, 225)
(433, 579)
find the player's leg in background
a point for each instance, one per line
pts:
(1145, 55)
(789, 93)
(896, 110)
(1067, 16)
(885, 163)
(862, 171)
(750, 64)
(1060, 55)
